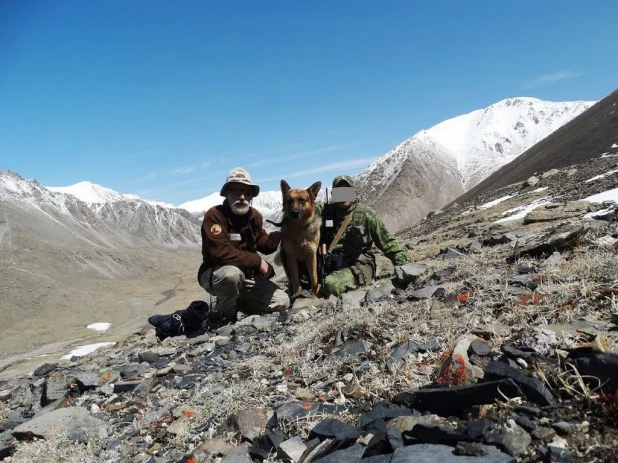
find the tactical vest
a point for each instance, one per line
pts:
(358, 221)
(355, 243)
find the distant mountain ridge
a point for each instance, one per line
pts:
(117, 223)
(437, 165)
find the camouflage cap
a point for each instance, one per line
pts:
(343, 178)
(240, 175)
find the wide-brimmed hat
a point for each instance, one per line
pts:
(240, 175)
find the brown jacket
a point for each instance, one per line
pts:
(230, 239)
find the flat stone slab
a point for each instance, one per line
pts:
(551, 212)
(409, 272)
(353, 299)
(426, 292)
(430, 453)
(292, 449)
(63, 420)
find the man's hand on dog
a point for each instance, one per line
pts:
(274, 238)
(266, 269)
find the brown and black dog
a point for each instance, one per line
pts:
(300, 234)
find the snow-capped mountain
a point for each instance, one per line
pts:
(485, 140)
(469, 147)
(92, 193)
(120, 221)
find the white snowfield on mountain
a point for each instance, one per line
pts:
(477, 143)
(480, 142)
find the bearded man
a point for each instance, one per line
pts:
(232, 270)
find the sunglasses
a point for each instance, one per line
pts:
(240, 191)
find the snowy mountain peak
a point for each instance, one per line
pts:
(483, 140)
(14, 184)
(91, 193)
(88, 192)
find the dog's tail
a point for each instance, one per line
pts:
(278, 224)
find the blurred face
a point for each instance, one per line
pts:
(342, 204)
(239, 197)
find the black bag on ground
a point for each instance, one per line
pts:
(182, 322)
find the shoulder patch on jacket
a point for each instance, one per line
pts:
(215, 229)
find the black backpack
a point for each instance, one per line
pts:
(181, 322)
(193, 321)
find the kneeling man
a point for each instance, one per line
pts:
(232, 270)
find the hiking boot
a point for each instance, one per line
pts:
(214, 320)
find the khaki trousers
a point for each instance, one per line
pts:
(235, 293)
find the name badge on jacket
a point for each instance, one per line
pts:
(235, 237)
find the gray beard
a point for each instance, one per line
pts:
(239, 208)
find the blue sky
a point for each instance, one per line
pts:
(161, 98)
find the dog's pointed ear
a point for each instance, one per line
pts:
(284, 187)
(314, 189)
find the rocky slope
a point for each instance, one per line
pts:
(497, 344)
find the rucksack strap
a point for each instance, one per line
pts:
(340, 232)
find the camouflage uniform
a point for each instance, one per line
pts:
(365, 229)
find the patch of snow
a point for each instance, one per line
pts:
(592, 215)
(149, 201)
(495, 201)
(615, 145)
(521, 211)
(609, 195)
(102, 327)
(539, 189)
(601, 176)
(85, 350)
